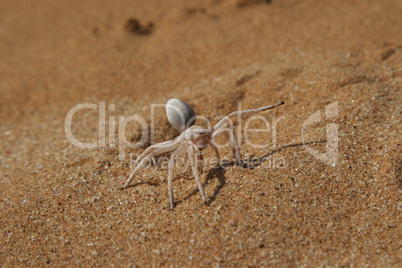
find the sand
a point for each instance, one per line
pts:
(336, 64)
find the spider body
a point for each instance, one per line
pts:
(191, 142)
(198, 135)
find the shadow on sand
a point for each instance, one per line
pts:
(219, 171)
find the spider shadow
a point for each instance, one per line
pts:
(219, 171)
(150, 183)
(153, 182)
(215, 172)
(257, 161)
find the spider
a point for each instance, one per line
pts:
(192, 141)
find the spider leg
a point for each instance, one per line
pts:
(186, 162)
(190, 151)
(199, 158)
(245, 112)
(232, 136)
(151, 149)
(213, 145)
(156, 149)
(179, 151)
(233, 142)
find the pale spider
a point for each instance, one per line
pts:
(192, 141)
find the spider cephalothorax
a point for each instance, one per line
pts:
(191, 141)
(201, 137)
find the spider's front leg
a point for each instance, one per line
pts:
(231, 134)
(151, 151)
(199, 158)
(234, 144)
(178, 152)
(213, 145)
(192, 150)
